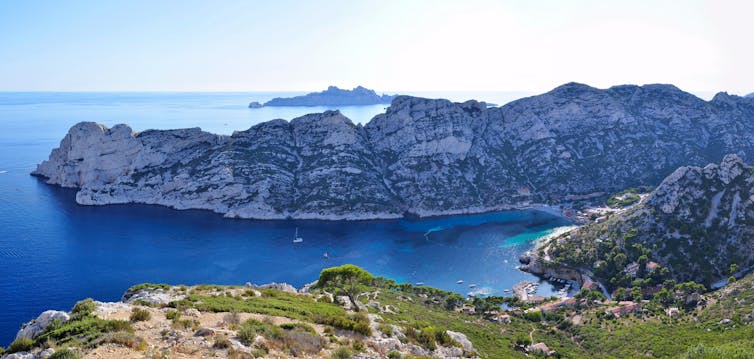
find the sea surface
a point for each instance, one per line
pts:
(54, 252)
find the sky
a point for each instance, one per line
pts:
(409, 45)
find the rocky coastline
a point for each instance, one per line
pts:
(422, 157)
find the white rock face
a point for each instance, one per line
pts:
(460, 338)
(20, 355)
(157, 296)
(285, 287)
(421, 156)
(37, 326)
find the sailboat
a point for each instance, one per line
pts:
(296, 238)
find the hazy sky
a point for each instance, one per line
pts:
(527, 45)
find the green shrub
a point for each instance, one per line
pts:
(232, 318)
(394, 355)
(533, 316)
(222, 342)
(252, 327)
(385, 329)
(2, 350)
(237, 354)
(298, 326)
(65, 354)
(125, 339)
(173, 315)
(259, 352)
(20, 345)
(139, 315)
(83, 330)
(141, 286)
(358, 323)
(192, 324)
(83, 308)
(426, 337)
(342, 353)
(358, 346)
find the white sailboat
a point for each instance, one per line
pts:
(296, 238)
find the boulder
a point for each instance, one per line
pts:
(461, 339)
(35, 327)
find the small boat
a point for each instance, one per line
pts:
(506, 290)
(296, 238)
(472, 285)
(460, 282)
(419, 283)
(326, 256)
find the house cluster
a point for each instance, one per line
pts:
(623, 308)
(633, 268)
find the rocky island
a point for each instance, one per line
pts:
(422, 156)
(333, 96)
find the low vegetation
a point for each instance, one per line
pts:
(666, 325)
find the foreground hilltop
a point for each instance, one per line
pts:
(697, 225)
(383, 319)
(333, 96)
(422, 156)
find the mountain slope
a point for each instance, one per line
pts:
(421, 156)
(697, 223)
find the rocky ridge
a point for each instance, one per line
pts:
(422, 156)
(333, 96)
(697, 223)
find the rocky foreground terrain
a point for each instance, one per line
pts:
(423, 156)
(394, 321)
(698, 225)
(169, 325)
(333, 96)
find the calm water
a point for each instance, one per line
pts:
(54, 252)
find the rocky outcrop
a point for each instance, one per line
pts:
(422, 156)
(334, 96)
(532, 263)
(283, 287)
(152, 296)
(697, 223)
(35, 327)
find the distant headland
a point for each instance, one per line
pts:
(333, 96)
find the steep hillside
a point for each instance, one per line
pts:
(698, 224)
(421, 156)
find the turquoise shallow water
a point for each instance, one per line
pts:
(54, 252)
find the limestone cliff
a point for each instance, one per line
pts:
(422, 156)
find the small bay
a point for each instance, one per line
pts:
(54, 252)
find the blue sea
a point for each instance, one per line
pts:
(54, 252)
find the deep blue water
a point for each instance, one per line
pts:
(54, 252)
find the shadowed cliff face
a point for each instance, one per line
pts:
(422, 156)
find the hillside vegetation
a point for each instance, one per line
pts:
(391, 320)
